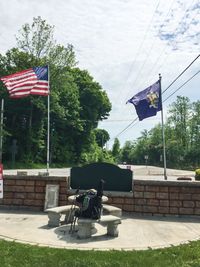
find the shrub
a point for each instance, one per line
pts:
(197, 174)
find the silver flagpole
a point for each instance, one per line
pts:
(1, 130)
(163, 132)
(48, 121)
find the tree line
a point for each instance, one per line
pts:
(182, 137)
(77, 103)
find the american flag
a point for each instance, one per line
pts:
(33, 81)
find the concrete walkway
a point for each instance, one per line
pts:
(137, 233)
(134, 233)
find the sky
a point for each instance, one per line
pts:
(124, 44)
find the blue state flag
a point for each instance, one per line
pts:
(147, 102)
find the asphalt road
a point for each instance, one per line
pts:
(140, 172)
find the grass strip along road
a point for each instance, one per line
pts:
(14, 254)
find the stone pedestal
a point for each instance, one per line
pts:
(86, 228)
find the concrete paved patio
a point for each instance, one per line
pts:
(137, 233)
(134, 233)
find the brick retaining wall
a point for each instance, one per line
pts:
(148, 197)
(162, 198)
(28, 192)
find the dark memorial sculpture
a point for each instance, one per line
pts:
(88, 176)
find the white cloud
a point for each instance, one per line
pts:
(124, 44)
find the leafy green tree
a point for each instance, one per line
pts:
(95, 106)
(102, 137)
(116, 152)
(127, 152)
(182, 138)
(195, 125)
(179, 114)
(77, 102)
(142, 147)
(38, 41)
(193, 154)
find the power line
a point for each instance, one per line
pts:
(182, 85)
(180, 22)
(126, 128)
(181, 74)
(150, 49)
(120, 120)
(164, 48)
(141, 44)
(167, 89)
(117, 120)
(148, 54)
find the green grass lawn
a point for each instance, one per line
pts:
(19, 255)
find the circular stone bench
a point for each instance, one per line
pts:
(112, 210)
(54, 214)
(86, 226)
